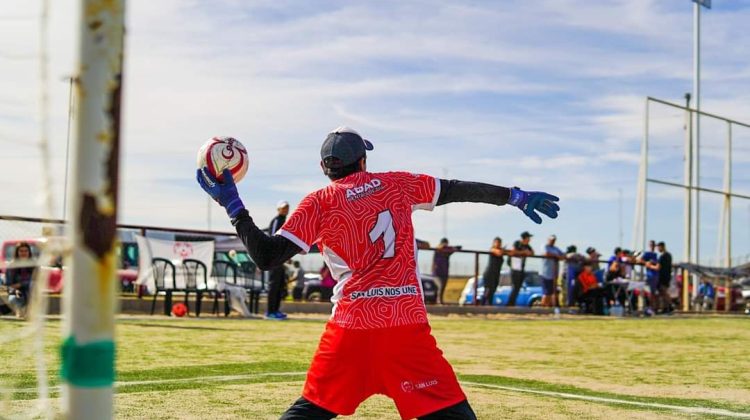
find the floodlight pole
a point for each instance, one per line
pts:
(688, 201)
(697, 4)
(88, 348)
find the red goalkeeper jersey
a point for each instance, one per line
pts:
(362, 225)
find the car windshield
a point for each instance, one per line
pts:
(243, 257)
(533, 280)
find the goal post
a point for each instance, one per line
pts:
(88, 347)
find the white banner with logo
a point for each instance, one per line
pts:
(174, 251)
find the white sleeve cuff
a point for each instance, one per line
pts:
(295, 240)
(431, 205)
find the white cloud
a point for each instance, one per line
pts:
(545, 95)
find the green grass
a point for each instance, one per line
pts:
(181, 365)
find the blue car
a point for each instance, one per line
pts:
(530, 294)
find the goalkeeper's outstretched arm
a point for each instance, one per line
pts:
(530, 202)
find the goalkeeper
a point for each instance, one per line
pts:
(377, 340)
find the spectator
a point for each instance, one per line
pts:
(592, 294)
(616, 276)
(19, 276)
(298, 278)
(664, 267)
(628, 260)
(550, 271)
(649, 259)
(441, 265)
(491, 274)
(593, 257)
(326, 283)
(573, 267)
(614, 266)
(521, 250)
(704, 300)
(277, 276)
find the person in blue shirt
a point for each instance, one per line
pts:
(652, 276)
(705, 298)
(550, 271)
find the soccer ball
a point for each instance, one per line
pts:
(220, 153)
(179, 310)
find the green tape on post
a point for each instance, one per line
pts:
(90, 365)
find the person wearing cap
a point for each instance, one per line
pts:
(521, 250)
(573, 267)
(593, 257)
(550, 271)
(441, 265)
(277, 279)
(378, 339)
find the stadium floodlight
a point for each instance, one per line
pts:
(88, 349)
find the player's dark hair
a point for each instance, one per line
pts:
(334, 171)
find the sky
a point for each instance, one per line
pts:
(545, 95)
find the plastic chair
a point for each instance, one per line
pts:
(196, 280)
(165, 281)
(223, 272)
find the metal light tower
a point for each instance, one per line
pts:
(697, 4)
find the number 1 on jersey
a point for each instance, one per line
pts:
(384, 227)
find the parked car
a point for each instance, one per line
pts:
(530, 294)
(53, 267)
(248, 274)
(737, 294)
(314, 293)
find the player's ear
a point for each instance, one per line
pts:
(323, 167)
(363, 164)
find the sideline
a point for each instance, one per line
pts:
(565, 395)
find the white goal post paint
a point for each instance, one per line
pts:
(88, 350)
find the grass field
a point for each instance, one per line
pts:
(511, 367)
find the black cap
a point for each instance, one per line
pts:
(661, 243)
(590, 250)
(526, 234)
(344, 144)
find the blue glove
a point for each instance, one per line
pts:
(531, 202)
(223, 193)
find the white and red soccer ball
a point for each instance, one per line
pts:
(220, 153)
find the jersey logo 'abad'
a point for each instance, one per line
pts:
(363, 190)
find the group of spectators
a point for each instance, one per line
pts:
(517, 260)
(589, 284)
